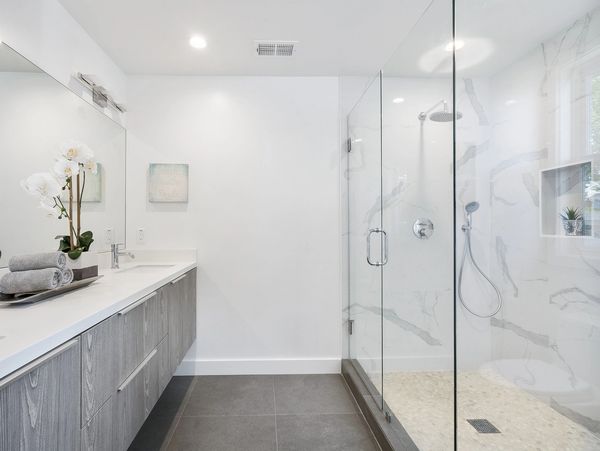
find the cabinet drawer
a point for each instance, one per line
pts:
(138, 333)
(39, 404)
(98, 366)
(97, 434)
(135, 398)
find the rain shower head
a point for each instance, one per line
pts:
(472, 207)
(444, 116)
(439, 116)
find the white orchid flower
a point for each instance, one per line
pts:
(49, 205)
(65, 169)
(76, 151)
(91, 166)
(42, 184)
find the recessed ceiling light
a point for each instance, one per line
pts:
(398, 100)
(198, 42)
(455, 45)
(510, 102)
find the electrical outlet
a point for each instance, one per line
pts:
(141, 235)
(108, 236)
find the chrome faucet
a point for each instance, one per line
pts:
(115, 252)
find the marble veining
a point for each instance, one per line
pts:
(517, 159)
(533, 337)
(501, 249)
(388, 200)
(530, 183)
(472, 152)
(594, 269)
(573, 295)
(495, 197)
(475, 103)
(390, 315)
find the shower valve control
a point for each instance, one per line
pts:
(423, 228)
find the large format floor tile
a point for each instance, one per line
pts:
(225, 433)
(238, 413)
(345, 432)
(232, 395)
(312, 393)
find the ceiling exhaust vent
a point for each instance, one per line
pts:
(276, 48)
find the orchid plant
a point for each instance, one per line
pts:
(67, 176)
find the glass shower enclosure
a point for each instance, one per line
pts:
(473, 226)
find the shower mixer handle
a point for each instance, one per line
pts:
(384, 256)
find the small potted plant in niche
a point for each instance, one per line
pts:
(572, 221)
(61, 193)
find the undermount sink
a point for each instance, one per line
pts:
(145, 268)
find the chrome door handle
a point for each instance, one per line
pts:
(384, 257)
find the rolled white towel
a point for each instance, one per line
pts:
(67, 276)
(37, 261)
(30, 281)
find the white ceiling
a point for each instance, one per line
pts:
(495, 33)
(335, 36)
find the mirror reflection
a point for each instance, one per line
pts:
(40, 120)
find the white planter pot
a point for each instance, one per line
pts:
(85, 260)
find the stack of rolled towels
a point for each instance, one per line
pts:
(36, 272)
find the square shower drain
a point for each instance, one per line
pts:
(483, 426)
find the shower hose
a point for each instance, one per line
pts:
(469, 253)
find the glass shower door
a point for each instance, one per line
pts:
(365, 251)
(417, 185)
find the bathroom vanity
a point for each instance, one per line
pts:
(84, 370)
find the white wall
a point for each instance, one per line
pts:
(263, 213)
(43, 32)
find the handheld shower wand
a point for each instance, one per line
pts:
(471, 208)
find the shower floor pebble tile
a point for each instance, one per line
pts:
(423, 403)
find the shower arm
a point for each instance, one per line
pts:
(423, 114)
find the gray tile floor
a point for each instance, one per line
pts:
(256, 413)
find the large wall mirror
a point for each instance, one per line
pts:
(38, 115)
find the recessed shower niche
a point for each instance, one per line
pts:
(562, 189)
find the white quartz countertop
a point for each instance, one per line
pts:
(29, 331)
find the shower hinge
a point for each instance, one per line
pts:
(349, 144)
(388, 417)
(350, 326)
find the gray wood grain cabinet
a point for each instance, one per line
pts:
(94, 392)
(135, 399)
(137, 332)
(97, 434)
(98, 367)
(39, 404)
(181, 293)
(189, 310)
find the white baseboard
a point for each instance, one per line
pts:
(256, 366)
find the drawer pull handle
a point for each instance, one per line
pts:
(128, 309)
(41, 360)
(136, 371)
(173, 282)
